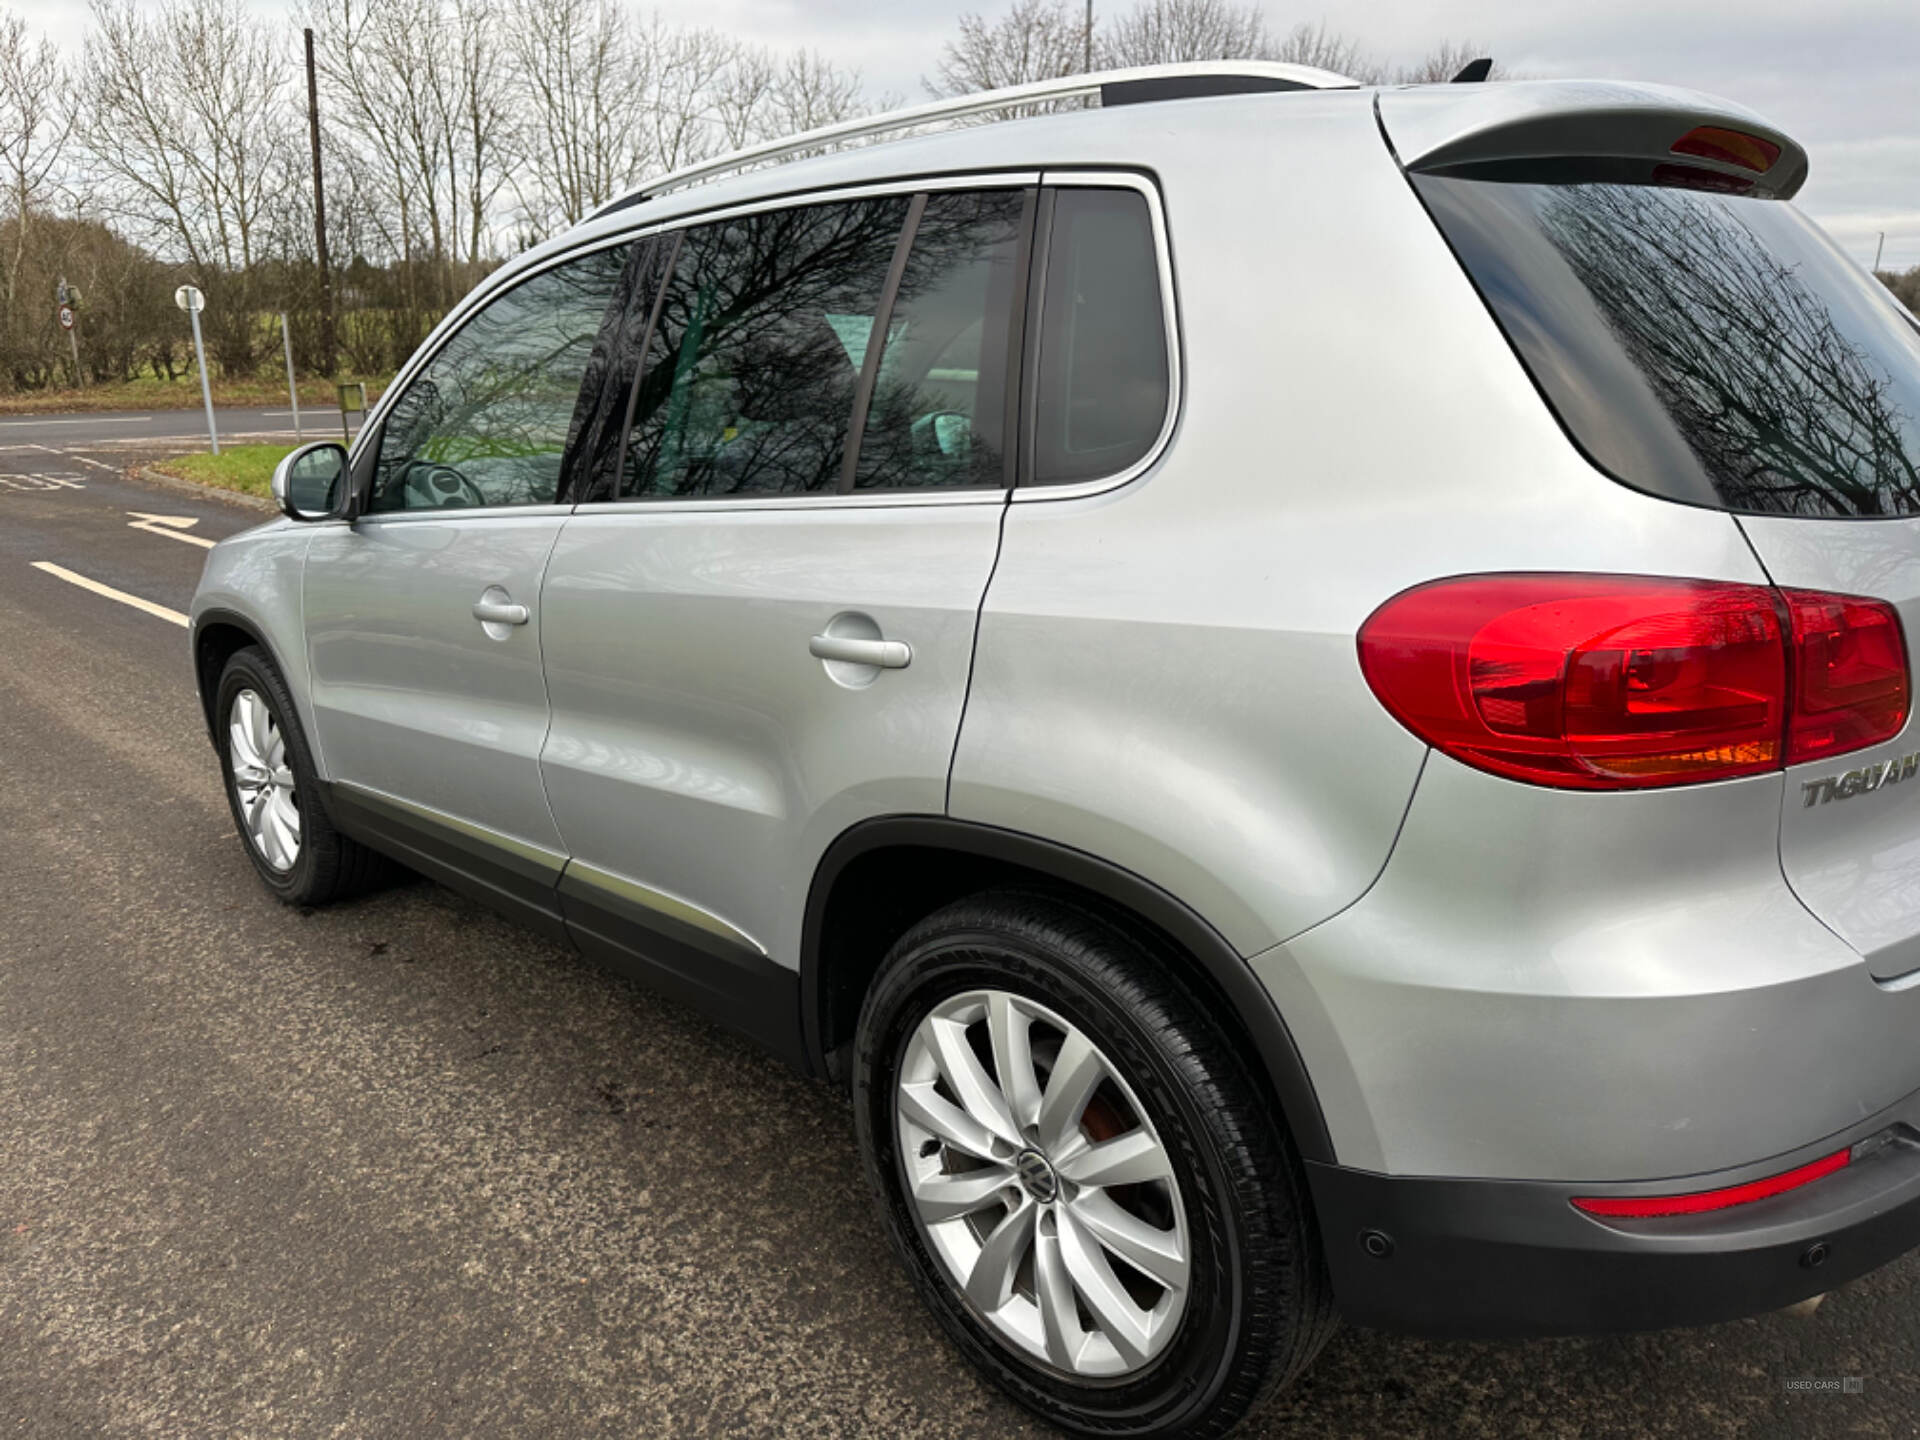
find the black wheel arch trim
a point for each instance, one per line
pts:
(209, 684)
(1224, 965)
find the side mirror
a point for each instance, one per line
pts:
(311, 482)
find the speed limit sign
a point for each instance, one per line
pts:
(66, 317)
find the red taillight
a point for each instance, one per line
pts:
(1729, 147)
(1849, 674)
(1604, 682)
(1644, 1207)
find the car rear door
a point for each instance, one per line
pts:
(423, 615)
(761, 632)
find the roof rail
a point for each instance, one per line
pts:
(1133, 85)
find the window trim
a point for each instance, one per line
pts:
(1027, 490)
(1014, 180)
(1019, 493)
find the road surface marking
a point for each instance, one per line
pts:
(89, 420)
(69, 455)
(41, 482)
(97, 588)
(170, 526)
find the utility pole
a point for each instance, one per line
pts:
(320, 217)
(1086, 65)
(1879, 250)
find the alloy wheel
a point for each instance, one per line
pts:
(1041, 1185)
(263, 780)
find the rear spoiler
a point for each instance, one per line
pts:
(1589, 129)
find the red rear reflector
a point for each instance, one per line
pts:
(1642, 1207)
(1607, 682)
(1729, 147)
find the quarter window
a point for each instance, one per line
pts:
(486, 422)
(1102, 380)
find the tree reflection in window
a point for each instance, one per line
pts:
(749, 376)
(1791, 381)
(939, 400)
(487, 421)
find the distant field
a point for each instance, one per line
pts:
(182, 394)
(247, 468)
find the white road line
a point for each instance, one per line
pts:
(89, 420)
(112, 594)
(171, 526)
(69, 455)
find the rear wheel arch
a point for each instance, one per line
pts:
(882, 876)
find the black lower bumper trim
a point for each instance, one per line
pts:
(1513, 1258)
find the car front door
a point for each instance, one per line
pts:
(423, 615)
(762, 632)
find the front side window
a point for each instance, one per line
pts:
(748, 381)
(1103, 373)
(486, 422)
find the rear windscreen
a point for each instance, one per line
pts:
(1709, 348)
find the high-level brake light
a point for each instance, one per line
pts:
(1729, 147)
(1608, 682)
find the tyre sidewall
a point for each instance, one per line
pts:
(1184, 1379)
(249, 669)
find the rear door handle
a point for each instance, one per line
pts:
(497, 612)
(885, 654)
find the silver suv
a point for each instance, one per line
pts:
(1300, 690)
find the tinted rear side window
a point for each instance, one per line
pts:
(748, 381)
(1705, 347)
(1102, 383)
(938, 413)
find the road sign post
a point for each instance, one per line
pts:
(69, 298)
(293, 391)
(189, 299)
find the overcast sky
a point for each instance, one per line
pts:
(1840, 76)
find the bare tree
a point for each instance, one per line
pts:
(763, 96)
(581, 82)
(1161, 32)
(1326, 49)
(421, 95)
(1035, 40)
(34, 129)
(186, 119)
(1041, 39)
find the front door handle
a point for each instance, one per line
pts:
(499, 612)
(851, 650)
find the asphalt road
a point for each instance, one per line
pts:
(143, 428)
(395, 1168)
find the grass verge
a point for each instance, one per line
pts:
(148, 393)
(246, 468)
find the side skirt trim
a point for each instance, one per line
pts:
(665, 943)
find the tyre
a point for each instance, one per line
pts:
(271, 788)
(1081, 1177)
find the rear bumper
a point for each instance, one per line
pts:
(1513, 1257)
